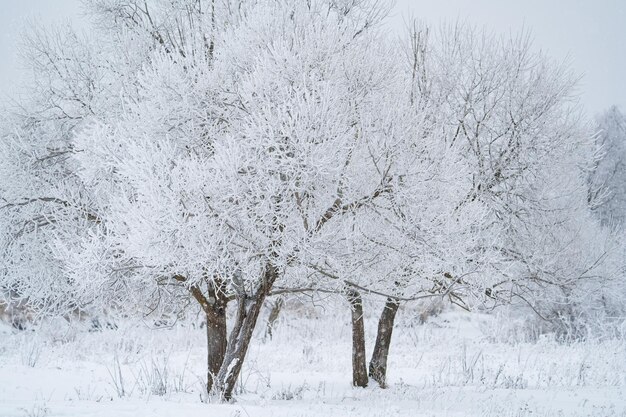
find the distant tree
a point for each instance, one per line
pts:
(42, 199)
(607, 194)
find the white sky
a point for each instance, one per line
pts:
(592, 33)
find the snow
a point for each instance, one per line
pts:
(451, 366)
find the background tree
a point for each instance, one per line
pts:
(607, 194)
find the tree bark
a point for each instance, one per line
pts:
(248, 309)
(217, 338)
(359, 368)
(378, 364)
(213, 303)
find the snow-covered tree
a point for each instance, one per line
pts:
(222, 172)
(510, 221)
(42, 199)
(607, 193)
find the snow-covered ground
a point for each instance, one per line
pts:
(454, 365)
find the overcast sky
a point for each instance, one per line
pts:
(592, 33)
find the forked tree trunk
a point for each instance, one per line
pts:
(359, 368)
(248, 309)
(213, 303)
(378, 364)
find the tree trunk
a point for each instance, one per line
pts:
(378, 364)
(359, 368)
(213, 303)
(247, 315)
(217, 338)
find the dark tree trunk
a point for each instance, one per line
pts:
(248, 309)
(378, 364)
(359, 368)
(217, 338)
(213, 303)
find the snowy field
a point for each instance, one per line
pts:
(456, 364)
